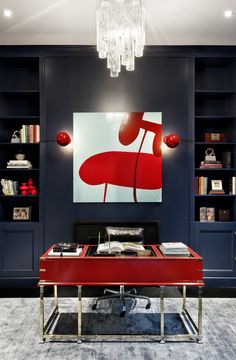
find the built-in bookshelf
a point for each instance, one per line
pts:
(215, 128)
(19, 134)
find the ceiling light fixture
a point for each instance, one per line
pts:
(120, 33)
(228, 13)
(7, 13)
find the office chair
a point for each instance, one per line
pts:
(123, 235)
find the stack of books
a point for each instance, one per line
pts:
(211, 164)
(19, 164)
(174, 249)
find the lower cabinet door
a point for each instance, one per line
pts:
(215, 242)
(19, 249)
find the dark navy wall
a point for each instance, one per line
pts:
(77, 84)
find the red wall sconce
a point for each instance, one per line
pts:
(63, 138)
(172, 140)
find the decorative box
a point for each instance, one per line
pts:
(217, 137)
(224, 215)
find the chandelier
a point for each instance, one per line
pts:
(120, 33)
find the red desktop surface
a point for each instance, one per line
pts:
(155, 270)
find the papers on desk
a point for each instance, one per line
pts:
(174, 249)
(77, 253)
(118, 247)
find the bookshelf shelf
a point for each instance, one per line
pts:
(215, 195)
(220, 169)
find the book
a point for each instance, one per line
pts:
(210, 214)
(233, 185)
(118, 247)
(174, 249)
(202, 214)
(210, 166)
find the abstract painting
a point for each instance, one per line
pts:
(117, 157)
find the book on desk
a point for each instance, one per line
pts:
(174, 249)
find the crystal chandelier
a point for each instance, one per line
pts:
(120, 33)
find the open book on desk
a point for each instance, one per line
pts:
(119, 247)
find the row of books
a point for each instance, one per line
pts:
(9, 187)
(19, 164)
(30, 134)
(207, 214)
(201, 186)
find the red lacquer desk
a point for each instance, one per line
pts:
(89, 270)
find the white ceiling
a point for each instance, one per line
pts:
(72, 22)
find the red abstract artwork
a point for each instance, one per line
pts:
(128, 169)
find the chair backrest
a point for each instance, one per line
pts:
(125, 234)
(87, 232)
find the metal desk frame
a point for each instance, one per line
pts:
(194, 331)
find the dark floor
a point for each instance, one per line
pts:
(98, 291)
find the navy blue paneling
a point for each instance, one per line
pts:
(76, 84)
(215, 242)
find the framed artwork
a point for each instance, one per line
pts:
(22, 213)
(216, 185)
(117, 157)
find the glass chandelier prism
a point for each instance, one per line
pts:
(120, 33)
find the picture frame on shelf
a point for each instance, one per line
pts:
(216, 185)
(22, 213)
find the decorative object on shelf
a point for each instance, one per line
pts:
(15, 139)
(63, 138)
(216, 187)
(20, 156)
(210, 155)
(210, 161)
(19, 163)
(24, 189)
(226, 159)
(120, 33)
(22, 213)
(172, 140)
(214, 137)
(34, 191)
(224, 215)
(31, 188)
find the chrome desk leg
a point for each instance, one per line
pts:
(162, 317)
(55, 298)
(184, 299)
(200, 314)
(41, 326)
(79, 313)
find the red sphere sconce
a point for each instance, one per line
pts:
(63, 138)
(172, 140)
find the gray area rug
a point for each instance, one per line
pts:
(19, 335)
